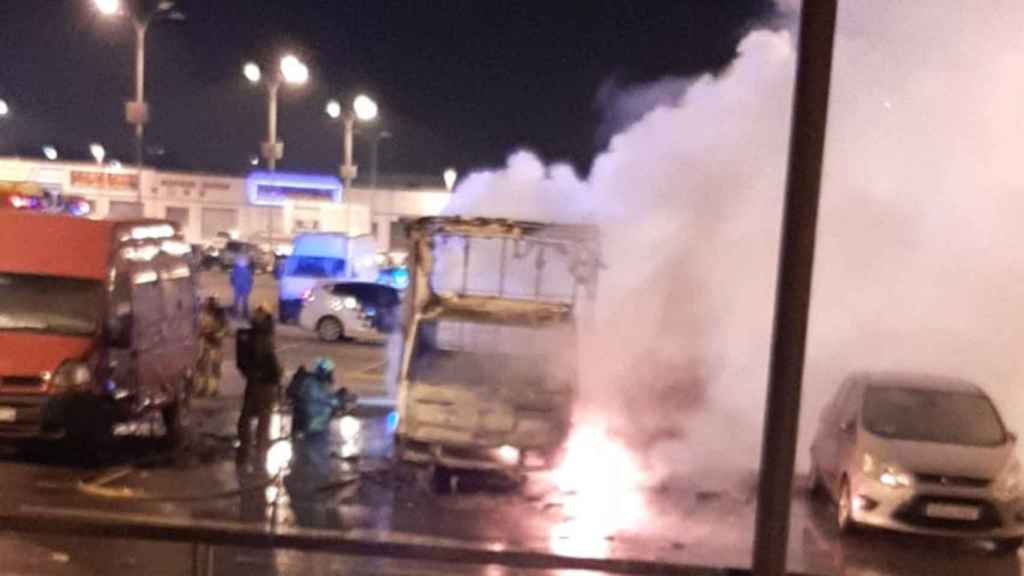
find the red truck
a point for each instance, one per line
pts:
(98, 324)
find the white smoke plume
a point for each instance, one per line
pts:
(920, 262)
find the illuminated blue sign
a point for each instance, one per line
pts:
(278, 188)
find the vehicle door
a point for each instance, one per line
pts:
(148, 335)
(384, 302)
(825, 446)
(847, 428)
(347, 304)
(180, 324)
(122, 371)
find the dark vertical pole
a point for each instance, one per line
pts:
(792, 295)
(374, 160)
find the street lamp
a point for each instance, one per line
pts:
(450, 176)
(252, 72)
(98, 152)
(291, 71)
(50, 152)
(137, 112)
(363, 109)
(4, 108)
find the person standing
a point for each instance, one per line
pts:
(262, 380)
(241, 283)
(213, 327)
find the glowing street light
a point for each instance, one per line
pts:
(252, 72)
(333, 109)
(291, 70)
(450, 176)
(363, 109)
(108, 7)
(4, 108)
(50, 152)
(98, 152)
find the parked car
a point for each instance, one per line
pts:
(357, 310)
(321, 257)
(919, 454)
(98, 336)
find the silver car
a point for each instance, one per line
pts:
(919, 454)
(357, 310)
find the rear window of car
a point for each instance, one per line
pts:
(377, 295)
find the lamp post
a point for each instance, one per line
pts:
(363, 109)
(290, 71)
(136, 112)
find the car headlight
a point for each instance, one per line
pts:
(507, 455)
(1009, 484)
(72, 376)
(887, 475)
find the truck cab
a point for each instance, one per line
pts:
(488, 368)
(97, 325)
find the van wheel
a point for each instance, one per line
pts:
(176, 417)
(330, 329)
(90, 432)
(442, 480)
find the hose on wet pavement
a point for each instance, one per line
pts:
(97, 485)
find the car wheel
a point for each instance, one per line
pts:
(176, 419)
(844, 509)
(330, 329)
(441, 480)
(1009, 545)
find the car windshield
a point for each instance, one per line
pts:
(315, 267)
(49, 304)
(501, 356)
(904, 413)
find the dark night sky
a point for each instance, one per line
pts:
(459, 82)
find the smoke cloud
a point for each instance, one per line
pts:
(920, 262)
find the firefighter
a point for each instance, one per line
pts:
(262, 381)
(314, 400)
(213, 327)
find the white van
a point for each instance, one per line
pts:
(321, 257)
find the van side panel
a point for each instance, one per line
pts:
(35, 243)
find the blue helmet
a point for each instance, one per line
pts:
(323, 367)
